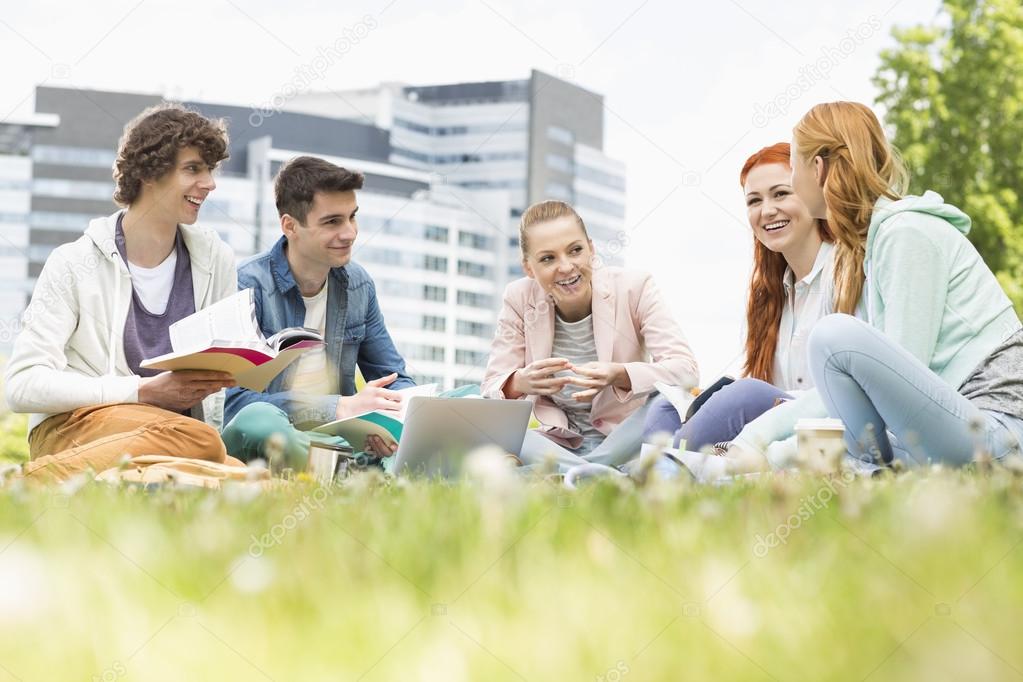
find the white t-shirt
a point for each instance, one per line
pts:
(153, 285)
(311, 374)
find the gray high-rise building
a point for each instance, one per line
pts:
(538, 138)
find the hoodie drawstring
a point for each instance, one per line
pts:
(113, 321)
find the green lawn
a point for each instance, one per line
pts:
(914, 577)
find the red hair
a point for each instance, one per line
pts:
(766, 288)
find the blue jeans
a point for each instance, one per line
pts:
(720, 419)
(875, 386)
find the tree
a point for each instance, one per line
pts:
(953, 91)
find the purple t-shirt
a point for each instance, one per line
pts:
(147, 335)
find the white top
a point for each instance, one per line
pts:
(311, 374)
(574, 342)
(85, 338)
(806, 301)
(153, 285)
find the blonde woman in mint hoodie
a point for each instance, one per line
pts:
(936, 358)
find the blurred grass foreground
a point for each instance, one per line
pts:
(912, 576)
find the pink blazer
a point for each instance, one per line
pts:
(631, 325)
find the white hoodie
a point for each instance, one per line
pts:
(70, 352)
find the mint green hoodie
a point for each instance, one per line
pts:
(928, 289)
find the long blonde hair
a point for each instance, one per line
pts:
(860, 166)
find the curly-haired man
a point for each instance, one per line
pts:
(104, 303)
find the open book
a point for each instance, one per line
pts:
(225, 337)
(387, 425)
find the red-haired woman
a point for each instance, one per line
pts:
(790, 289)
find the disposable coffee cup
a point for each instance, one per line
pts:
(328, 462)
(820, 443)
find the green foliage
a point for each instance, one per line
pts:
(13, 438)
(953, 91)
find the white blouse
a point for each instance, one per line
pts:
(806, 301)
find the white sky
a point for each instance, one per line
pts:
(682, 82)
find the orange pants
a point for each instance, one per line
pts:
(99, 436)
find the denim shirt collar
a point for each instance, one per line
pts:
(284, 281)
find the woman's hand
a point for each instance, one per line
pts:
(594, 377)
(537, 378)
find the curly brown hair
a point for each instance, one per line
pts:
(151, 142)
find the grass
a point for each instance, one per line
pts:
(915, 576)
(13, 438)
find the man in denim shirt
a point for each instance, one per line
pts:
(307, 279)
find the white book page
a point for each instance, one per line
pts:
(232, 320)
(679, 397)
(285, 338)
(428, 390)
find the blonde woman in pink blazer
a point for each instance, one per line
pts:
(584, 342)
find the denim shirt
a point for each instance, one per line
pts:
(354, 332)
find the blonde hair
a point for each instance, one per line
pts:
(543, 212)
(860, 166)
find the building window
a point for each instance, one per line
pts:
(436, 233)
(561, 135)
(603, 205)
(475, 300)
(492, 184)
(371, 254)
(444, 131)
(470, 328)
(559, 163)
(424, 379)
(15, 218)
(470, 269)
(390, 287)
(557, 190)
(447, 159)
(427, 353)
(600, 177)
(59, 220)
(459, 383)
(434, 323)
(475, 241)
(403, 320)
(474, 358)
(435, 263)
(435, 293)
(73, 156)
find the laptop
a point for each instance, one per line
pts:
(439, 432)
